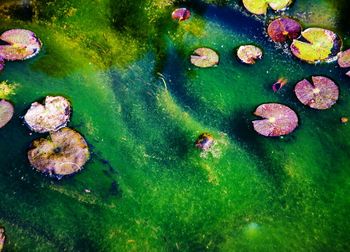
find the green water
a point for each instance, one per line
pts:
(151, 190)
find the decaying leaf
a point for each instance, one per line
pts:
(320, 45)
(344, 59)
(6, 112)
(204, 141)
(51, 116)
(64, 152)
(322, 93)
(282, 29)
(204, 57)
(21, 44)
(181, 14)
(248, 54)
(278, 120)
(261, 6)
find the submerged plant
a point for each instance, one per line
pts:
(261, 6)
(6, 112)
(204, 57)
(248, 54)
(282, 29)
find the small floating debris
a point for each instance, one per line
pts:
(51, 116)
(64, 152)
(344, 59)
(278, 120)
(260, 6)
(22, 45)
(248, 54)
(204, 57)
(322, 93)
(344, 119)
(205, 141)
(2, 238)
(282, 29)
(181, 14)
(279, 84)
(6, 112)
(321, 45)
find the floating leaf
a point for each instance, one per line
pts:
(6, 112)
(64, 152)
(344, 119)
(323, 93)
(278, 120)
(348, 73)
(248, 54)
(261, 6)
(181, 14)
(204, 141)
(2, 238)
(204, 57)
(51, 116)
(344, 59)
(22, 44)
(282, 29)
(321, 45)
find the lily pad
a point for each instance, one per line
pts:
(320, 45)
(204, 141)
(348, 73)
(344, 59)
(51, 116)
(6, 112)
(248, 54)
(278, 120)
(204, 57)
(282, 29)
(322, 93)
(21, 44)
(2, 238)
(260, 6)
(64, 152)
(181, 14)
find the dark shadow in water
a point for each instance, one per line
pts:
(22, 10)
(343, 20)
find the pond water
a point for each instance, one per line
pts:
(124, 65)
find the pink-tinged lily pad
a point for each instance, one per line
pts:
(204, 57)
(278, 120)
(204, 141)
(261, 6)
(64, 152)
(322, 93)
(21, 44)
(6, 112)
(51, 116)
(344, 59)
(248, 54)
(320, 45)
(181, 14)
(282, 29)
(2, 238)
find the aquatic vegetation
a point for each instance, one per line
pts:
(6, 112)
(2, 238)
(321, 45)
(344, 59)
(181, 14)
(321, 93)
(261, 6)
(22, 45)
(204, 57)
(279, 84)
(7, 89)
(248, 54)
(344, 119)
(204, 141)
(50, 116)
(282, 29)
(278, 120)
(63, 153)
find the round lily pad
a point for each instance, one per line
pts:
(322, 93)
(204, 57)
(64, 152)
(204, 141)
(261, 6)
(2, 238)
(248, 54)
(278, 120)
(344, 59)
(181, 14)
(282, 29)
(21, 44)
(6, 112)
(320, 45)
(51, 116)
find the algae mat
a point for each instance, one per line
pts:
(140, 104)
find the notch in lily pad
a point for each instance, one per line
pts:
(181, 14)
(278, 120)
(319, 45)
(50, 116)
(64, 152)
(249, 54)
(260, 7)
(6, 112)
(321, 93)
(284, 28)
(21, 45)
(204, 57)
